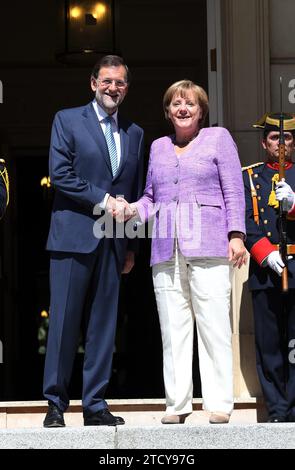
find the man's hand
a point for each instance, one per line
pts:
(284, 191)
(130, 209)
(129, 262)
(237, 253)
(275, 262)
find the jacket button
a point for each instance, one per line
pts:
(259, 198)
(255, 176)
(175, 198)
(175, 181)
(268, 234)
(265, 222)
(176, 164)
(262, 210)
(257, 186)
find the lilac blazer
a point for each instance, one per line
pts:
(197, 197)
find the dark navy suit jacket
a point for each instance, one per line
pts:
(80, 172)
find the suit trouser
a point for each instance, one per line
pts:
(275, 341)
(187, 290)
(82, 285)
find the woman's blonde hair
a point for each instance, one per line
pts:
(181, 88)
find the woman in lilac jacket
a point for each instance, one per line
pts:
(194, 191)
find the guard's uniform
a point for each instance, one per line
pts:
(4, 187)
(276, 372)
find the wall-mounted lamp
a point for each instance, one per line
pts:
(47, 190)
(45, 182)
(89, 27)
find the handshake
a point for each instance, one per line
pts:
(120, 209)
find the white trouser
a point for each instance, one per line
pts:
(188, 289)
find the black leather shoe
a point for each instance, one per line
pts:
(103, 418)
(54, 417)
(277, 419)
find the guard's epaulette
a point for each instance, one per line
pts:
(252, 166)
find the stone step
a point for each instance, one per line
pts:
(182, 436)
(137, 412)
(21, 428)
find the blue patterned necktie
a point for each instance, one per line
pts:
(111, 144)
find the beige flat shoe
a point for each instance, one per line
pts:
(174, 419)
(219, 418)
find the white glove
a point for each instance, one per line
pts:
(275, 262)
(284, 191)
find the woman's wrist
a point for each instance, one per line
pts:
(134, 209)
(239, 235)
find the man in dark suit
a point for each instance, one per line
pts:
(274, 311)
(95, 155)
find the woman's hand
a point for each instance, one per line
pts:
(237, 253)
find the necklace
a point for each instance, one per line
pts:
(184, 143)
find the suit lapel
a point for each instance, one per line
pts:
(95, 130)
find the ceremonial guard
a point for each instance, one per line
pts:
(4, 187)
(274, 309)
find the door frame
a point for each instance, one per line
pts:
(215, 85)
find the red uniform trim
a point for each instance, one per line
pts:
(276, 166)
(261, 249)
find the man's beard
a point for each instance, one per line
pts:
(107, 101)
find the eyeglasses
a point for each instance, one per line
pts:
(106, 82)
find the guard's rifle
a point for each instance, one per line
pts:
(284, 203)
